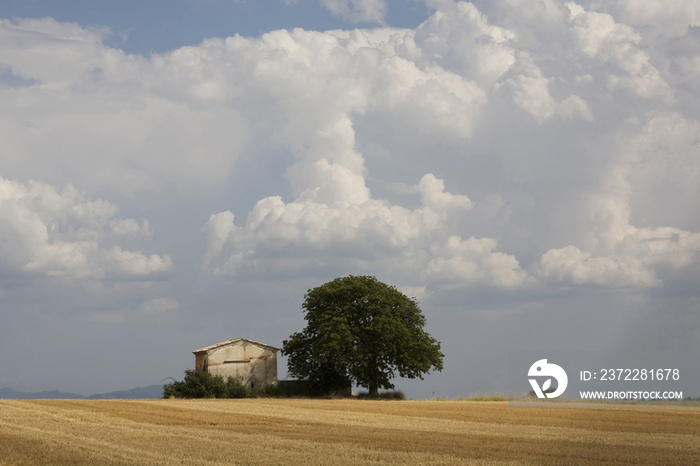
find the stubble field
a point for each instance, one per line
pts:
(340, 432)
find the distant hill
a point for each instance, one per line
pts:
(8, 393)
(152, 391)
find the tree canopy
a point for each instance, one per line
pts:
(363, 331)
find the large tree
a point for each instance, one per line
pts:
(360, 330)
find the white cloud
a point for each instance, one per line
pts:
(459, 38)
(474, 262)
(129, 228)
(570, 265)
(434, 196)
(427, 101)
(307, 235)
(106, 120)
(372, 11)
(179, 123)
(620, 253)
(67, 53)
(61, 233)
(418, 292)
(116, 261)
(217, 231)
(667, 148)
(369, 229)
(545, 15)
(598, 35)
(672, 17)
(531, 93)
(635, 260)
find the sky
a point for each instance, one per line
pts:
(179, 173)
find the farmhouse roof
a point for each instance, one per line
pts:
(230, 342)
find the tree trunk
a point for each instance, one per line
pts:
(373, 389)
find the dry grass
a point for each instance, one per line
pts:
(339, 432)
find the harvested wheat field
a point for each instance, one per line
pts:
(337, 432)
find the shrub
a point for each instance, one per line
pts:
(202, 384)
(290, 388)
(235, 389)
(393, 395)
(264, 391)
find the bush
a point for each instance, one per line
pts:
(264, 391)
(202, 384)
(235, 389)
(394, 395)
(290, 388)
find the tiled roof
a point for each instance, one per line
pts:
(229, 342)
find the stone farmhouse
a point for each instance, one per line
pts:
(251, 362)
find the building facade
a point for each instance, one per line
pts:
(251, 362)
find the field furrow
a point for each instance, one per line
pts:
(317, 432)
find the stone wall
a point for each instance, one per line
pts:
(249, 363)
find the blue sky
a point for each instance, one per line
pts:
(175, 174)
(159, 26)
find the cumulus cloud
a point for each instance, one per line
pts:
(337, 103)
(417, 292)
(61, 233)
(545, 15)
(570, 265)
(181, 122)
(635, 260)
(433, 195)
(598, 35)
(475, 262)
(672, 17)
(184, 119)
(67, 53)
(372, 11)
(107, 120)
(619, 252)
(369, 229)
(531, 93)
(308, 235)
(665, 149)
(460, 38)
